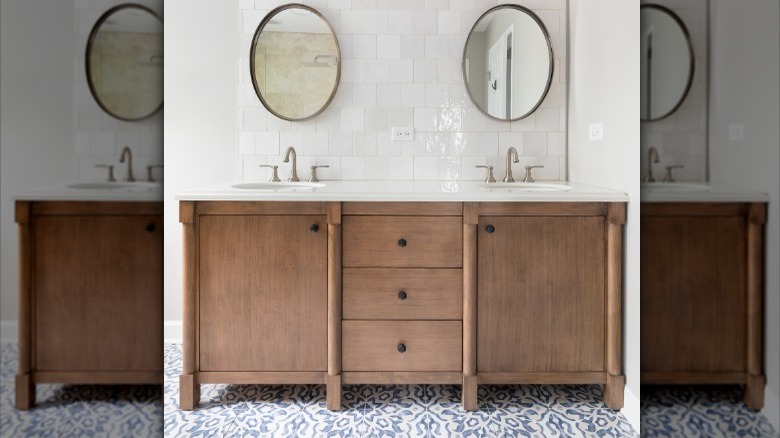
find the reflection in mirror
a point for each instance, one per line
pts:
(124, 62)
(508, 62)
(666, 62)
(294, 62)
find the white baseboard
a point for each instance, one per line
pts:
(9, 330)
(771, 408)
(631, 408)
(172, 331)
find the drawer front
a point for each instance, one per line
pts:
(402, 242)
(402, 294)
(402, 345)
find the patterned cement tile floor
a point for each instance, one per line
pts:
(78, 410)
(389, 411)
(700, 411)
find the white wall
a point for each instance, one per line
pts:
(201, 116)
(745, 88)
(36, 106)
(604, 87)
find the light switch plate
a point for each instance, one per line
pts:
(736, 131)
(402, 134)
(596, 131)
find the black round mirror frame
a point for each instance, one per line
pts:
(549, 50)
(88, 57)
(252, 47)
(691, 67)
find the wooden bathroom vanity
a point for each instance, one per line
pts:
(90, 293)
(702, 294)
(355, 292)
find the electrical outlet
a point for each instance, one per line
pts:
(402, 134)
(596, 131)
(736, 131)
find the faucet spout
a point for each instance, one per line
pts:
(126, 152)
(652, 157)
(511, 156)
(294, 172)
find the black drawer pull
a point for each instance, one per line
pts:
(402, 295)
(402, 242)
(150, 228)
(314, 228)
(490, 229)
(401, 348)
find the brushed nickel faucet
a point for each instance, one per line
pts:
(294, 172)
(275, 176)
(511, 156)
(149, 176)
(528, 177)
(126, 152)
(110, 171)
(313, 177)
(652, 157)
(668, 175)
(488, 173)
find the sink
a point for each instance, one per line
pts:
(103, 185)
(526, 187)
(279, 186)
(675, 187)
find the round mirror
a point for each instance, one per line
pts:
(666, 62)
(508, 62)
(295, 62)
(124, 62)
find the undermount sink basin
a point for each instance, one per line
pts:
(279, 186)
(526, 187)
(104, 185)
(675, 187)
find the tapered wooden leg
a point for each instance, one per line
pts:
(333, 397)
(613, 391)
(25, 392)
(189, 392)
(754, 391)
(470, 402)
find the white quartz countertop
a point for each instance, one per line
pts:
(391, 191)
(699, 192)
(94, 191)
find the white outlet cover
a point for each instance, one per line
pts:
(596, 131)
(402, 134)
(736, 131)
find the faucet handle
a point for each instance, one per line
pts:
(275, 176)
(110, 171)
(313, 177)
(149, 176)
(488, 172)
(528, 177)
(668, 175)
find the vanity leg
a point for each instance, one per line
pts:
(333, 397)
(25, 392)
(470, 402)
(754, 391)
(613, 391)
(189, 392)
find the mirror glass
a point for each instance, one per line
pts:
(124, 62)
(508, 62)
(295, 62)
(666, 62)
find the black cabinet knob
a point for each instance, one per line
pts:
(402, 295)
(401, 348)
(402, 242)
(150, 228)
(490, 229)
(314, 228)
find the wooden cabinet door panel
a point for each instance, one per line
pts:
(541, 294)
(693, 294)
(98, 293)
(263, 293)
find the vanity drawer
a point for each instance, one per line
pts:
(402, 241)
(402, 345)
(401, 294)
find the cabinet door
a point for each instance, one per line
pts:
(541, 294)
(98, 293)
(693, 294)
(263, 293)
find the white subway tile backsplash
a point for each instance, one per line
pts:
(401, 67)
